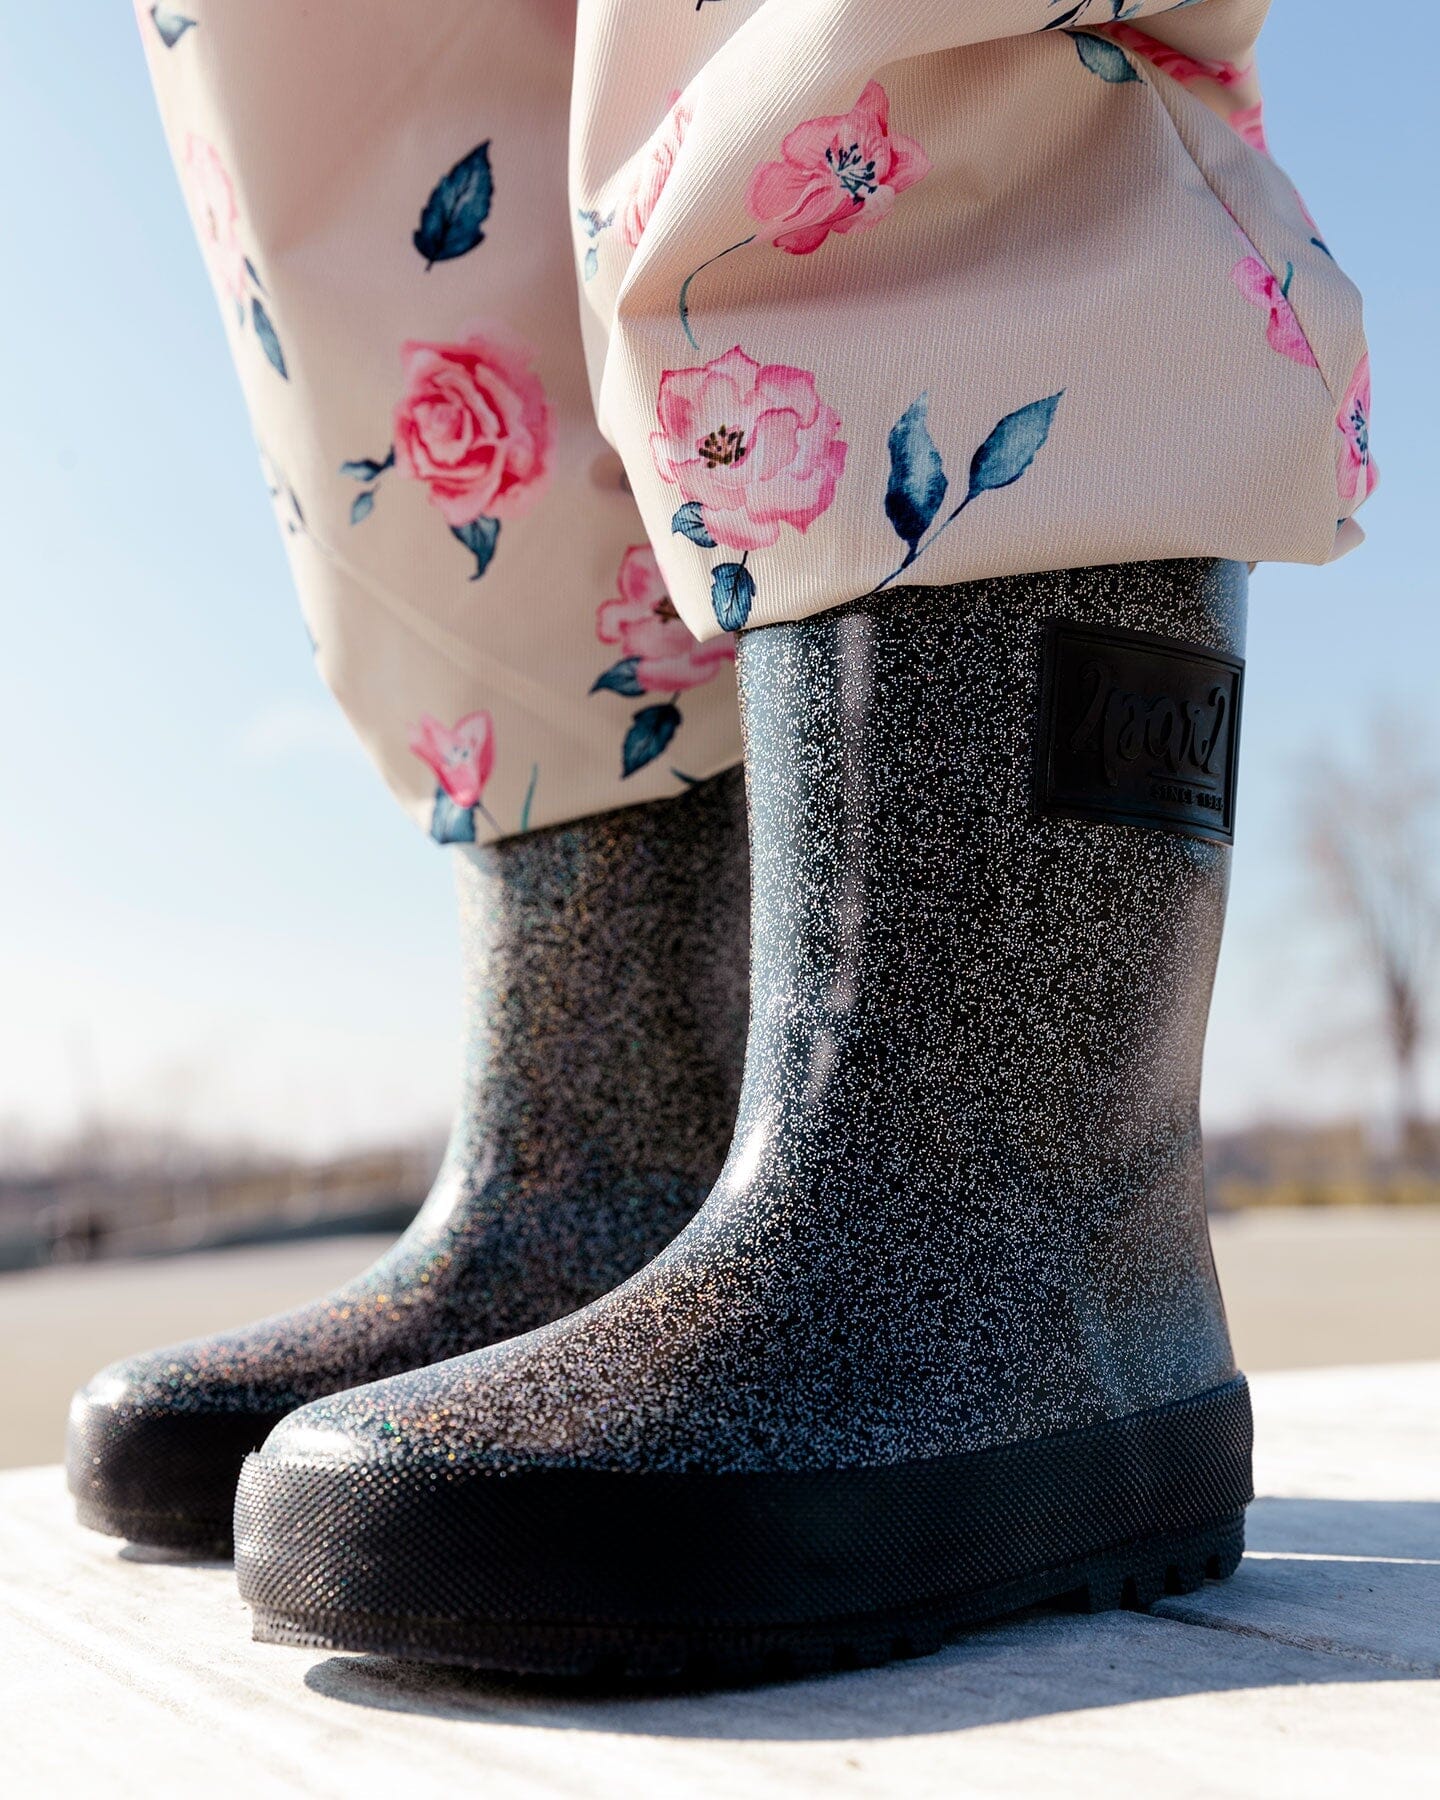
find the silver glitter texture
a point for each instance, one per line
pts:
(964, 1201)
(605, 1006)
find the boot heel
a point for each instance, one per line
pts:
(1134, 1577)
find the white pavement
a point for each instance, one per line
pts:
(1315, 1671)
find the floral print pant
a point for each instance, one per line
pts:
(577, 338)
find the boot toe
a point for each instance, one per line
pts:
(546, 1561)
(153, 1457)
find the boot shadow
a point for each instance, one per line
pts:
(1318, 1600)
(178, 1559)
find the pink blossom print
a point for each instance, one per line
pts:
(472, 424)
(655, 166)
(1355, 474)
(655, 643)
(217, 216)
(839, 173)
(460, 757)
(1261, 288)
(658, 655)
(751, 447)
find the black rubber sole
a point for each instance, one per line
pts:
(1134, 1576)
(723, 1578)
(164, 1479)
(158, 1531)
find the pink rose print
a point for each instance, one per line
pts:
(750, 446)
(839, 173)
(460, 759)
(654, 172)
(1355, 474)
(1261, 288)
(473, 426)
(652, 636)
(217, 217)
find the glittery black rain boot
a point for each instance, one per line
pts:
(606, 977)
(946, 1339)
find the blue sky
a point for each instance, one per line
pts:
(212, 914)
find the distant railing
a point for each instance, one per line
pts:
(80, 1216)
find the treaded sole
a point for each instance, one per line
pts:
(1128, 1576)
(693, 1575)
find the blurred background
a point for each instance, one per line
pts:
(228, 966)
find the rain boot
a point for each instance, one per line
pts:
(946, 1340)
(606, 986)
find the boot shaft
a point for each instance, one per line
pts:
(605, 976)
(1031, 984)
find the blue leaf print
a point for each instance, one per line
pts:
(689, 522)
(449, 823)
(1103, 58)
(479, 538)
(619, 678)
(362, 506)
(458, 206)
(918, 482)
(265, 331)
(171, 25)
(1004, 457)
(650, 731)
(364, 468)
(591, 264)
(254, 274)
(1117, 11)
(593, 222)
(1011, 447)
(732, 588)
(529, 797)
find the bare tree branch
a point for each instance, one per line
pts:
(1372, 842)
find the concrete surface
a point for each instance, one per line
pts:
(1303, 1287)
(1313, 1672)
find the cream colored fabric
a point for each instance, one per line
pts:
(868, 293)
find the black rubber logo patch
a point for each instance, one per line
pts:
(1138, 730)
